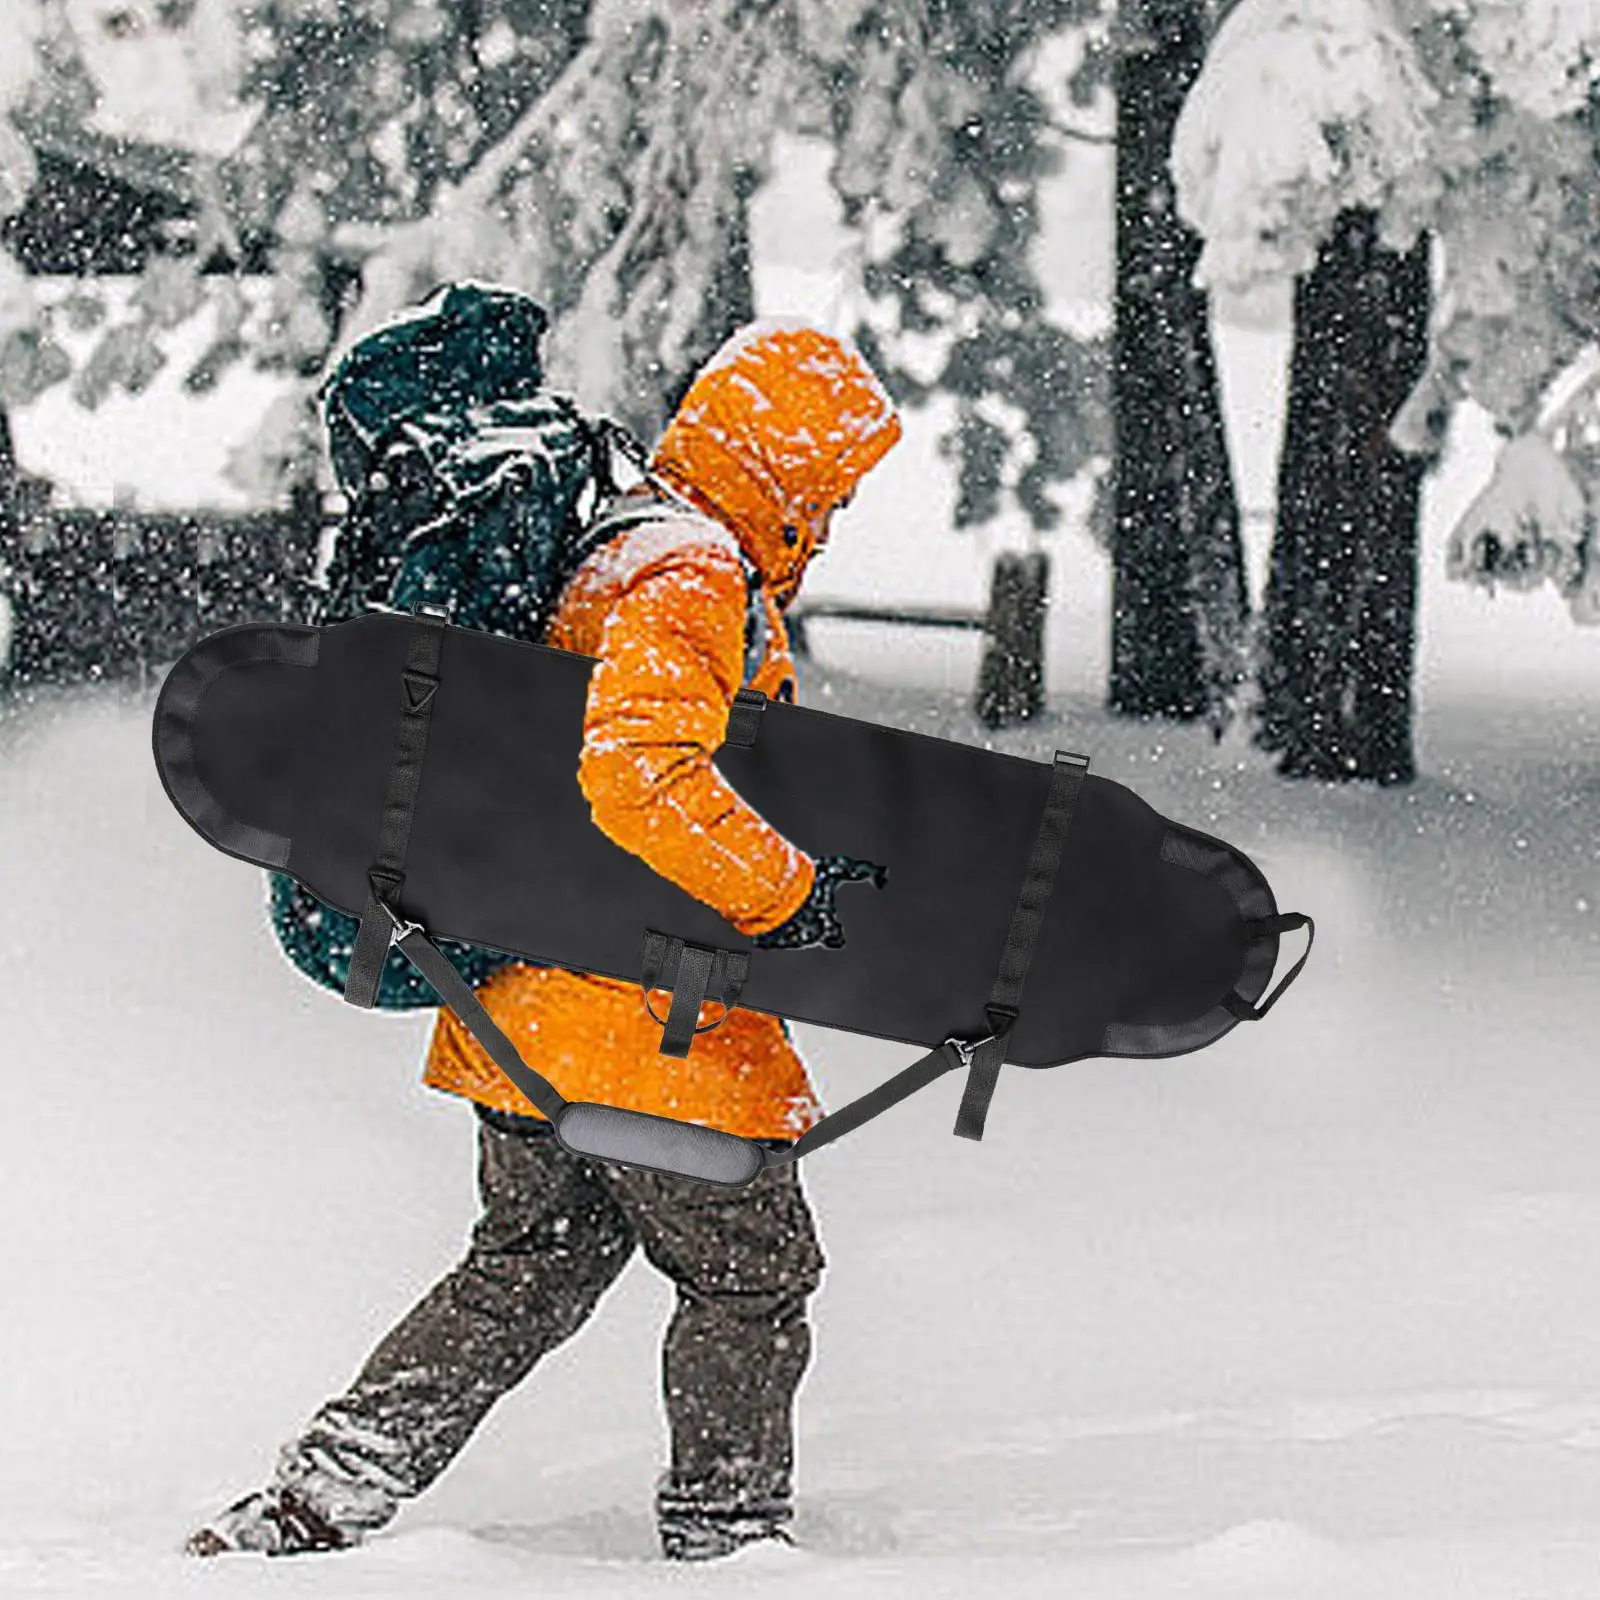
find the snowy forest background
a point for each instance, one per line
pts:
(1263, 339)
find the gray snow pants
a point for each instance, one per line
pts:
(555, 1232)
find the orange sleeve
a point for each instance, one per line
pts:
(671, 656)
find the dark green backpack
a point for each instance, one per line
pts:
(470, 487)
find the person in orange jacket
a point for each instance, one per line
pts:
(681, 607)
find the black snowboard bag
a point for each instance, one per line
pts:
(423, 777)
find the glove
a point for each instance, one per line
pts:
(817, 921)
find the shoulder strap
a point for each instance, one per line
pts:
(757, 632)
(456, 993)
(620, 513)
(1005, 999)
(637, 1138)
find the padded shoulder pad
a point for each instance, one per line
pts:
(610, 1133)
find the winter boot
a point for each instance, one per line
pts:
(271, 1522)
(698, 1526)
(707, 1540)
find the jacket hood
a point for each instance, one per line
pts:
(775, 432)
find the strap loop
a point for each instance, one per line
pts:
(744, 719)
(694, 974)
(984, 1060)
(689, 986)
(1286, 922)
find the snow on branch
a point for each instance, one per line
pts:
(1473, 121)
(617, 199)
(1541, 55)
(1535, 521)
(1530, 524)
(21, 28)
(1305, 108)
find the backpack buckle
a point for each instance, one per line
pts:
(439, 610)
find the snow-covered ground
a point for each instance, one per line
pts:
(1314, 1314)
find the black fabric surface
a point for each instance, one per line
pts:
(502, 852)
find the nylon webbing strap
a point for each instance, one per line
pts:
(982, 1076)
(456, 993)
(694, 974)
(1005, 999)
(689, 990)
(744, 718)
(1285, 922)
(418, 684)
(847, 1118)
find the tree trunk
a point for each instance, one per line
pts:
(8, 484)
(1178, 603)
(1340, 627)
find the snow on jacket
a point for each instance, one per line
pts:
(771, 437)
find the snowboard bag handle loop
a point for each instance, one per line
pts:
(695, 974)
(744, 718)
(1286, 922)
(984, 1057)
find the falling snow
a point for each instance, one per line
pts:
(1312, 1313)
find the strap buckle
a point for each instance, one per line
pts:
(399, 926)
(966, 1049)
(1002, 1019)
(982, 1058)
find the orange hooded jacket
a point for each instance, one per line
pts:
(772, 437)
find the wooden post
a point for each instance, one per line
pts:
(298, 548)
(8, 483)
(799, 638)
(1011, 674)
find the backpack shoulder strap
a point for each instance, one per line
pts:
(757, 631)
(619, 515)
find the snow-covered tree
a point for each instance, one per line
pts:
(22, 371)
(619, 197)
(1475, 122)
(944, 132)
(1535, 521)
(1343, 143)
(599, 153)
